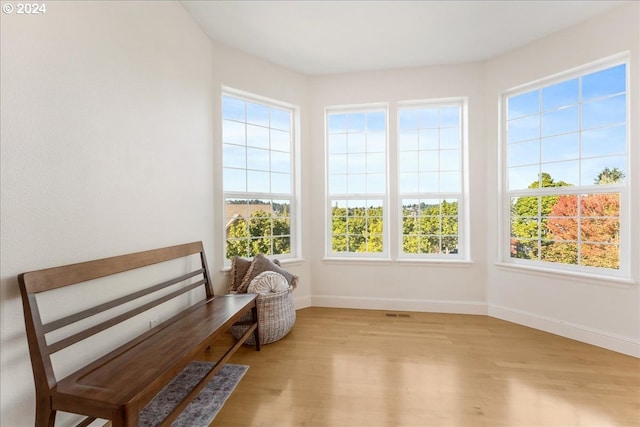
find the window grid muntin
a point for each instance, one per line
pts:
(621, 189)
(275, 148)
(375, 144)
(427, 195)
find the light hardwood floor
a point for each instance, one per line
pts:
(341, 367)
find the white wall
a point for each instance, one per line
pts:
(589, 310)
(106, 149)
(388, 284)
(236, 70)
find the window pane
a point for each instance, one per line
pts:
(233, 132)
(280, 162)
(408, 119)
(605, 111)
(601, 256)
(428, 117)
(234, 179)
(560, 121)
(560, 95)
(337, 163)
(449, 160)
(605, 82)
(562, 147)
(376, 121)
(233, 108)
(376, 142)
(280, 119)
(280, 141)
(450, 117)
(375, 183)
(428, 160)
(338, 143)
(409, 182)
(429, 182)
(258, 182)
(376, 163)
(258, 159)
(337, 123)
(524, 153)
(338, 184)
(603, 141)
(429, 139)
(522, 177)
(356, 163)
(234, 156)
(357, 184)
(257, 136)
(257, 114)
(450, 182)
(356, 122)
(356, 143)
(408, 140)
(604, 170)
(280, 183)
(450, 138)
(563, 172)
(523, 105)
(523, 129)
(560, 252)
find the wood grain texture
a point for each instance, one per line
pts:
(341, 367)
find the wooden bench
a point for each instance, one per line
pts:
(117, 385)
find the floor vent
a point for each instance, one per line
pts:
(398, 315)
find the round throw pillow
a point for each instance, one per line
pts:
(268, 282)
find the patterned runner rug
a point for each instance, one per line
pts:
(203, 409)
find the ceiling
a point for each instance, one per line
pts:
(325, 37)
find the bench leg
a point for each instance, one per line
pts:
(124, 419)
(256, 333)
(45, 416)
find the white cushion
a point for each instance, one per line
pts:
(268, 282)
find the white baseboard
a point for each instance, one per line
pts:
(400, 304)
(301, 302)
(574, 331)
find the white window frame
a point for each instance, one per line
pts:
(331, 198)
(623, 274)
(293, 196)
(463, 253)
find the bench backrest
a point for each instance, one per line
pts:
(35, 282)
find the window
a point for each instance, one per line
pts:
(258, 177)
(357, 182)
(430, 171)
(566, 172)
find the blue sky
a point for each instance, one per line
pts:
(572, 129)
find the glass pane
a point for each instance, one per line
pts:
(234, 156)
(280, 162)
(408, 119)
(428, 160)
(281, 245)
(280, 119)
(604, 170)
(560, 228)
(560, 252)
(234, 179)
(428, 118)
(603, 141)
(449, 245)
(450, 138)
(236, 209)
(233, 132)
(337, 123)
(450, 182)
(560, 121)
(523, 105)
(600, 230)
(604, 112)
(408, 140)
(232, 108)
(525, 228)
(449, 160)
(600, 205)
(376, 163)
(523, 176)
(280, 183)
(409, 182)
(562, 147)
(357, 163)
(523, 129)
(376, 121)
(257, 136)
(560, 95)
(429, 182)
(356, 122)
(258, 182)
(524, 249)
(524, 153)
(281, 208)
(450, 117)
(376, 141)
(429, 139)
(375, 183)
(258, 159)
(280, 141)
(338, 143)
(605, 82)
(602, 256)
(337, 184)
(408, 161)
(356, 143)
(337, 163)
(563, 173)
(357, 184)
(257, 114)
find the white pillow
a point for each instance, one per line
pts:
(268, 282)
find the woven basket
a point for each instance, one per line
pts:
(276, 317)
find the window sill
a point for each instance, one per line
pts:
(405, 261)
(437, 262)
(620, 282)
(283, 261)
